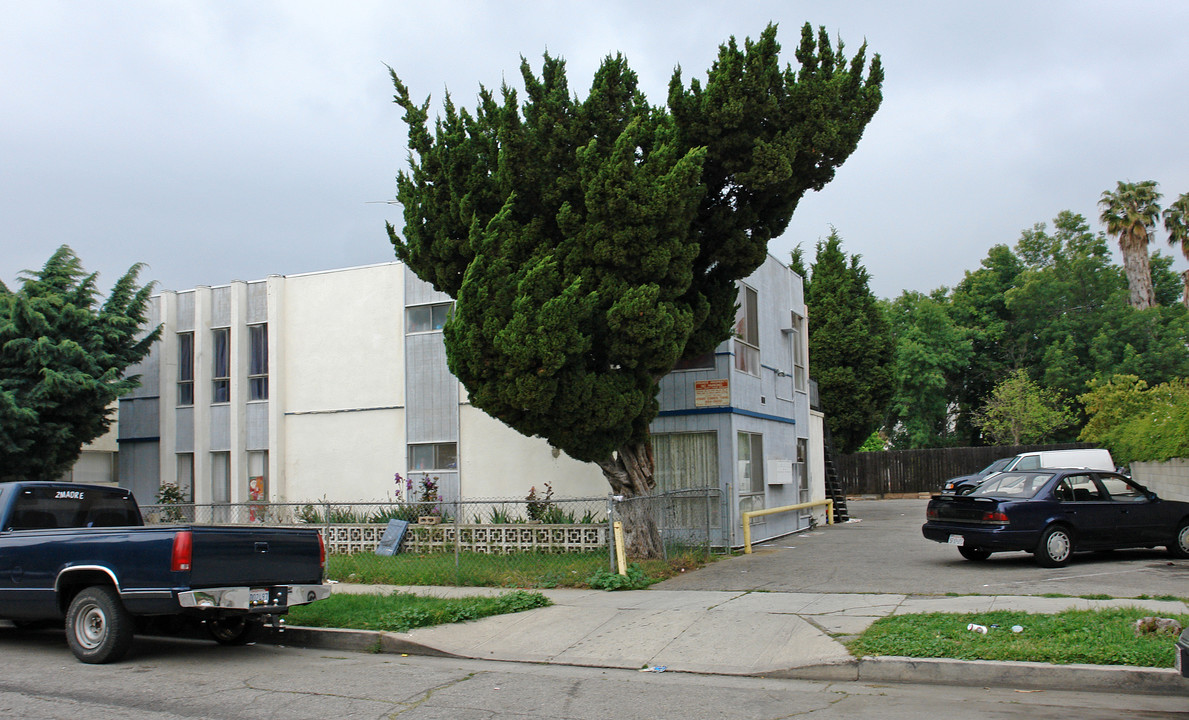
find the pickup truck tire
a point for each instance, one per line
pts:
(1055, 547)
(98, 627)
(1179, 547)
(234, 629)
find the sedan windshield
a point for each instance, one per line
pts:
(1013, 485)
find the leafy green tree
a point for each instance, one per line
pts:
(850, 343)
(930, 349)
(1176, 222)
(1021, 412)
(1130, 212)
(1137, 422)
(63, 356)
(591, 244)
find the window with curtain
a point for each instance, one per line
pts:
(221, 365)
(186, 368)
(799, 373)
(688, 461)
(258, 362)
(750, 477)
(433, 456)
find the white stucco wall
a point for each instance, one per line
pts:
(342, 386)
(497, 461)
(1169, 480)
(817, 463)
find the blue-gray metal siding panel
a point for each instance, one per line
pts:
(139, 469)
(419, 292)
(139, 418)
(257, 302)
(256, 418)
(185, 322)
(220, 428)
(431, 392)
(184, 439)
(221, 306)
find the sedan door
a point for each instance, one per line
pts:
(1095, 519)
(1139, 518)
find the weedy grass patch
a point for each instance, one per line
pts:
(401, 612)
(1096, 637)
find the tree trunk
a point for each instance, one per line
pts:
(630, 474)
(1136, 265)
(1185, 280)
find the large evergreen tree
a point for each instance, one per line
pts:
(62, 361)
(850, 343)
(591, 244)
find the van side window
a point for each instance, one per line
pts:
(1028, 462)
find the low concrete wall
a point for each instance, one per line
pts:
(1169, 480)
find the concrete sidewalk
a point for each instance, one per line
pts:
(774, 634)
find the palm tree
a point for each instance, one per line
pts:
(1176, 222)
(1129, 212)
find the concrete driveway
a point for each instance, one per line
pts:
(882, 551)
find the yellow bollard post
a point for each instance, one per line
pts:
(746, 533)
(620, 557)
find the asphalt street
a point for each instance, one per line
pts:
(178, 679)
(882, 551)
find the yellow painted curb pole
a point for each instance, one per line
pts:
(746, 533)
(620, 558)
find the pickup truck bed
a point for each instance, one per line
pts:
(82, 553)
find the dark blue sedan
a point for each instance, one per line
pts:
(1055, 513)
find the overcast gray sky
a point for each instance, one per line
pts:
(216, 141)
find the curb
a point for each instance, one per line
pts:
(927, 671)
(993, 673)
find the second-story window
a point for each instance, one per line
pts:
(798, 354)
(221, 365)
(186, 368)
(747, 332)
(427, 318)
(258, 362)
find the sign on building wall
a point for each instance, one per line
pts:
(712, 393)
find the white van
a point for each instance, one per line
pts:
(1089, 459)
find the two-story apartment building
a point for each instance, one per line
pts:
(327, 384)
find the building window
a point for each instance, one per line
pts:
(221, 477)
(799, 374)
(258, 362)
(747, 332)
(428, 318)
(433, 456)
(801, 468)
(221, 368)
(751, 463)
(186, 368)
(705, 361)
(186, 476)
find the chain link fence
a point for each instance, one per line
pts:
(543, 542)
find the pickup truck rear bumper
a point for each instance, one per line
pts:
(271, 599)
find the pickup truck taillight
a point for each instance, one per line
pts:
(321, 550)
(182, 546)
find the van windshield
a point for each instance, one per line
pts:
(1019, 485)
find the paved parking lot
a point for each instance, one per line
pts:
(882, 551)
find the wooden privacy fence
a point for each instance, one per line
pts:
(910, 472)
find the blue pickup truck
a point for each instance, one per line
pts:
(83, 553)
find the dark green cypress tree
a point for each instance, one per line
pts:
(850, 344)
(63, 356)
(591, 244)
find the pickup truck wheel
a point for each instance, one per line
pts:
(98, 627)
(973, 553)
(233, 630)
(1179, 548)
(1055, 547)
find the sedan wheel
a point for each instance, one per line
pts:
(973, 553)
(1055, 547)
(1180, 546)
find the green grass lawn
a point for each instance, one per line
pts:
(401, 612)
(1096, 637)
(514, 570)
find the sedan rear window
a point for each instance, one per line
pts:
(1013, 485)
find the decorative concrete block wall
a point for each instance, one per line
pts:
(492, 539)
(1169, 480)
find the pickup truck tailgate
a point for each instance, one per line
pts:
(254, 556)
